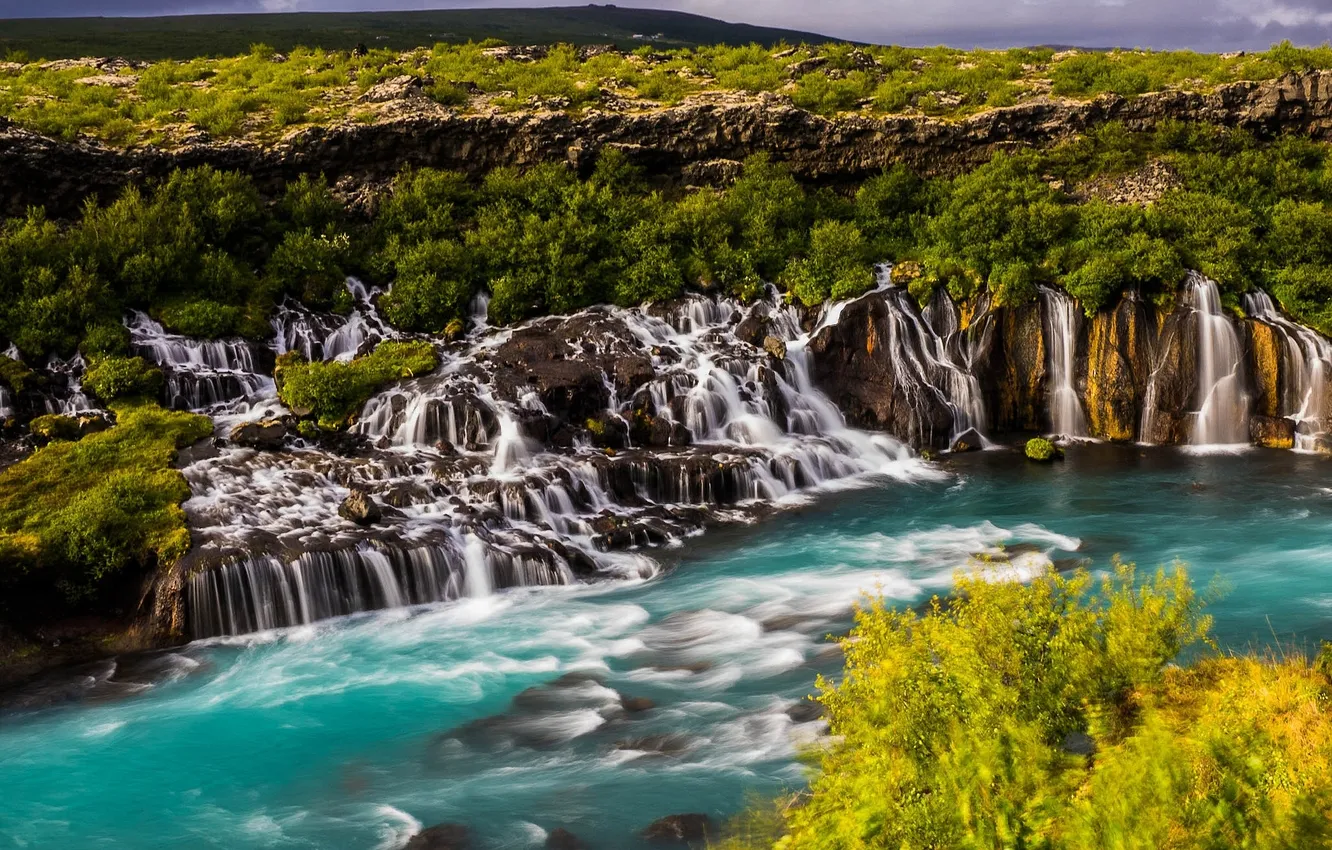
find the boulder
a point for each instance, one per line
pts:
(805, 711)
(1322, 444)
(560, 838)
(775, 346)
(265, 434)
(637, 705)
(361, 508)
(679, 829)
(444, 836)
(397, 88)
(854, 362)
(969, 440)
(1272, 432)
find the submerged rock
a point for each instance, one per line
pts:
(444, 836)
(562, 839)
(361, 508)
(683, 828)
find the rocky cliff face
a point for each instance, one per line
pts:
(1140, 374)
(693, 142)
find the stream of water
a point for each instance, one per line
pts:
(505, 711)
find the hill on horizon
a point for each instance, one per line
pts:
(189, 36)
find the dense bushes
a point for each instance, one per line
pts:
(76, 514)
(333, 392)
(1046, 715)
(207, 257)
(111, 378)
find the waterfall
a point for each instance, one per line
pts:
(484, 494)
(320, 336)
(1223, 412)
(1059, 320)
(204, 375)
(1304, 368)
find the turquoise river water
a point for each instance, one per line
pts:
(504, 712)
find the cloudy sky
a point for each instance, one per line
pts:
(1199, 24)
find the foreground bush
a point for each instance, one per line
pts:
(333, 393)
(1046, 716)
(74, 515)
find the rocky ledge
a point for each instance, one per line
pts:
(699, 141)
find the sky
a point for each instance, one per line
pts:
(1213, 25)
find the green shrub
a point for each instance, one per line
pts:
(1039, 448)
(334, 392)
(111, 378)
(75, 514)
(15, 375)
(202, 318)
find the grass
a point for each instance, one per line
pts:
(332, 393)
(75, 514)
(263, 93)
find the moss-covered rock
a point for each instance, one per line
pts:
(333, 393)
(111, 378)
(75, 514)
(54, 426)
(15, 375)
(1042, 450)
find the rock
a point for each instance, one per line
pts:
(805, 711)
(657, 745)
(114, 81)
(404, 87)
(1021, 377)
(969, 440)
(360, 508)
(54, 426)
(754, 328)
(37, 170)
(1118, 363)
(1272, 432)
(775, 347)
(1042, 450)
(560, 838)
(444, 836)
(904, 273)
(1322, 444)
(852, 363)
(93, 423)
(681, 828)
(266, 434)
(637, 705)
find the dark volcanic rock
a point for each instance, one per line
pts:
(562, 839)
(853, 364)
(445, 836)
(969, 440)
(361, 508)
(681, 828)
(267, 434)
(676, 141)
(1272, 432)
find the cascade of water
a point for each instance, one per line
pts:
(328, 337)
(200, 374)
(479, 504)
(1223, 413)
(1059, 320)
(1304, 368)
(72, 400)
(934, 358)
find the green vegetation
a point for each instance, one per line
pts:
(1050, 716)
(75, 515)
(262, 93)
(111, 378)
(1041, 449)
(190, 36)
(54, 426)
(203, 253)
(335, 392)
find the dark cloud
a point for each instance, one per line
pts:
(1197, 24)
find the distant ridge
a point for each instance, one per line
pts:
(188, 36)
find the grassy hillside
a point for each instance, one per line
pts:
(190, 36)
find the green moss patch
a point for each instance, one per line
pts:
(76, 513)
(333, 393)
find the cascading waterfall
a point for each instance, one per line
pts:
(1059, 319)
(1223, 412)
(1304, 369)
(478, 505)
(205, 375)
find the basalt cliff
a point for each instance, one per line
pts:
(699, 141)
